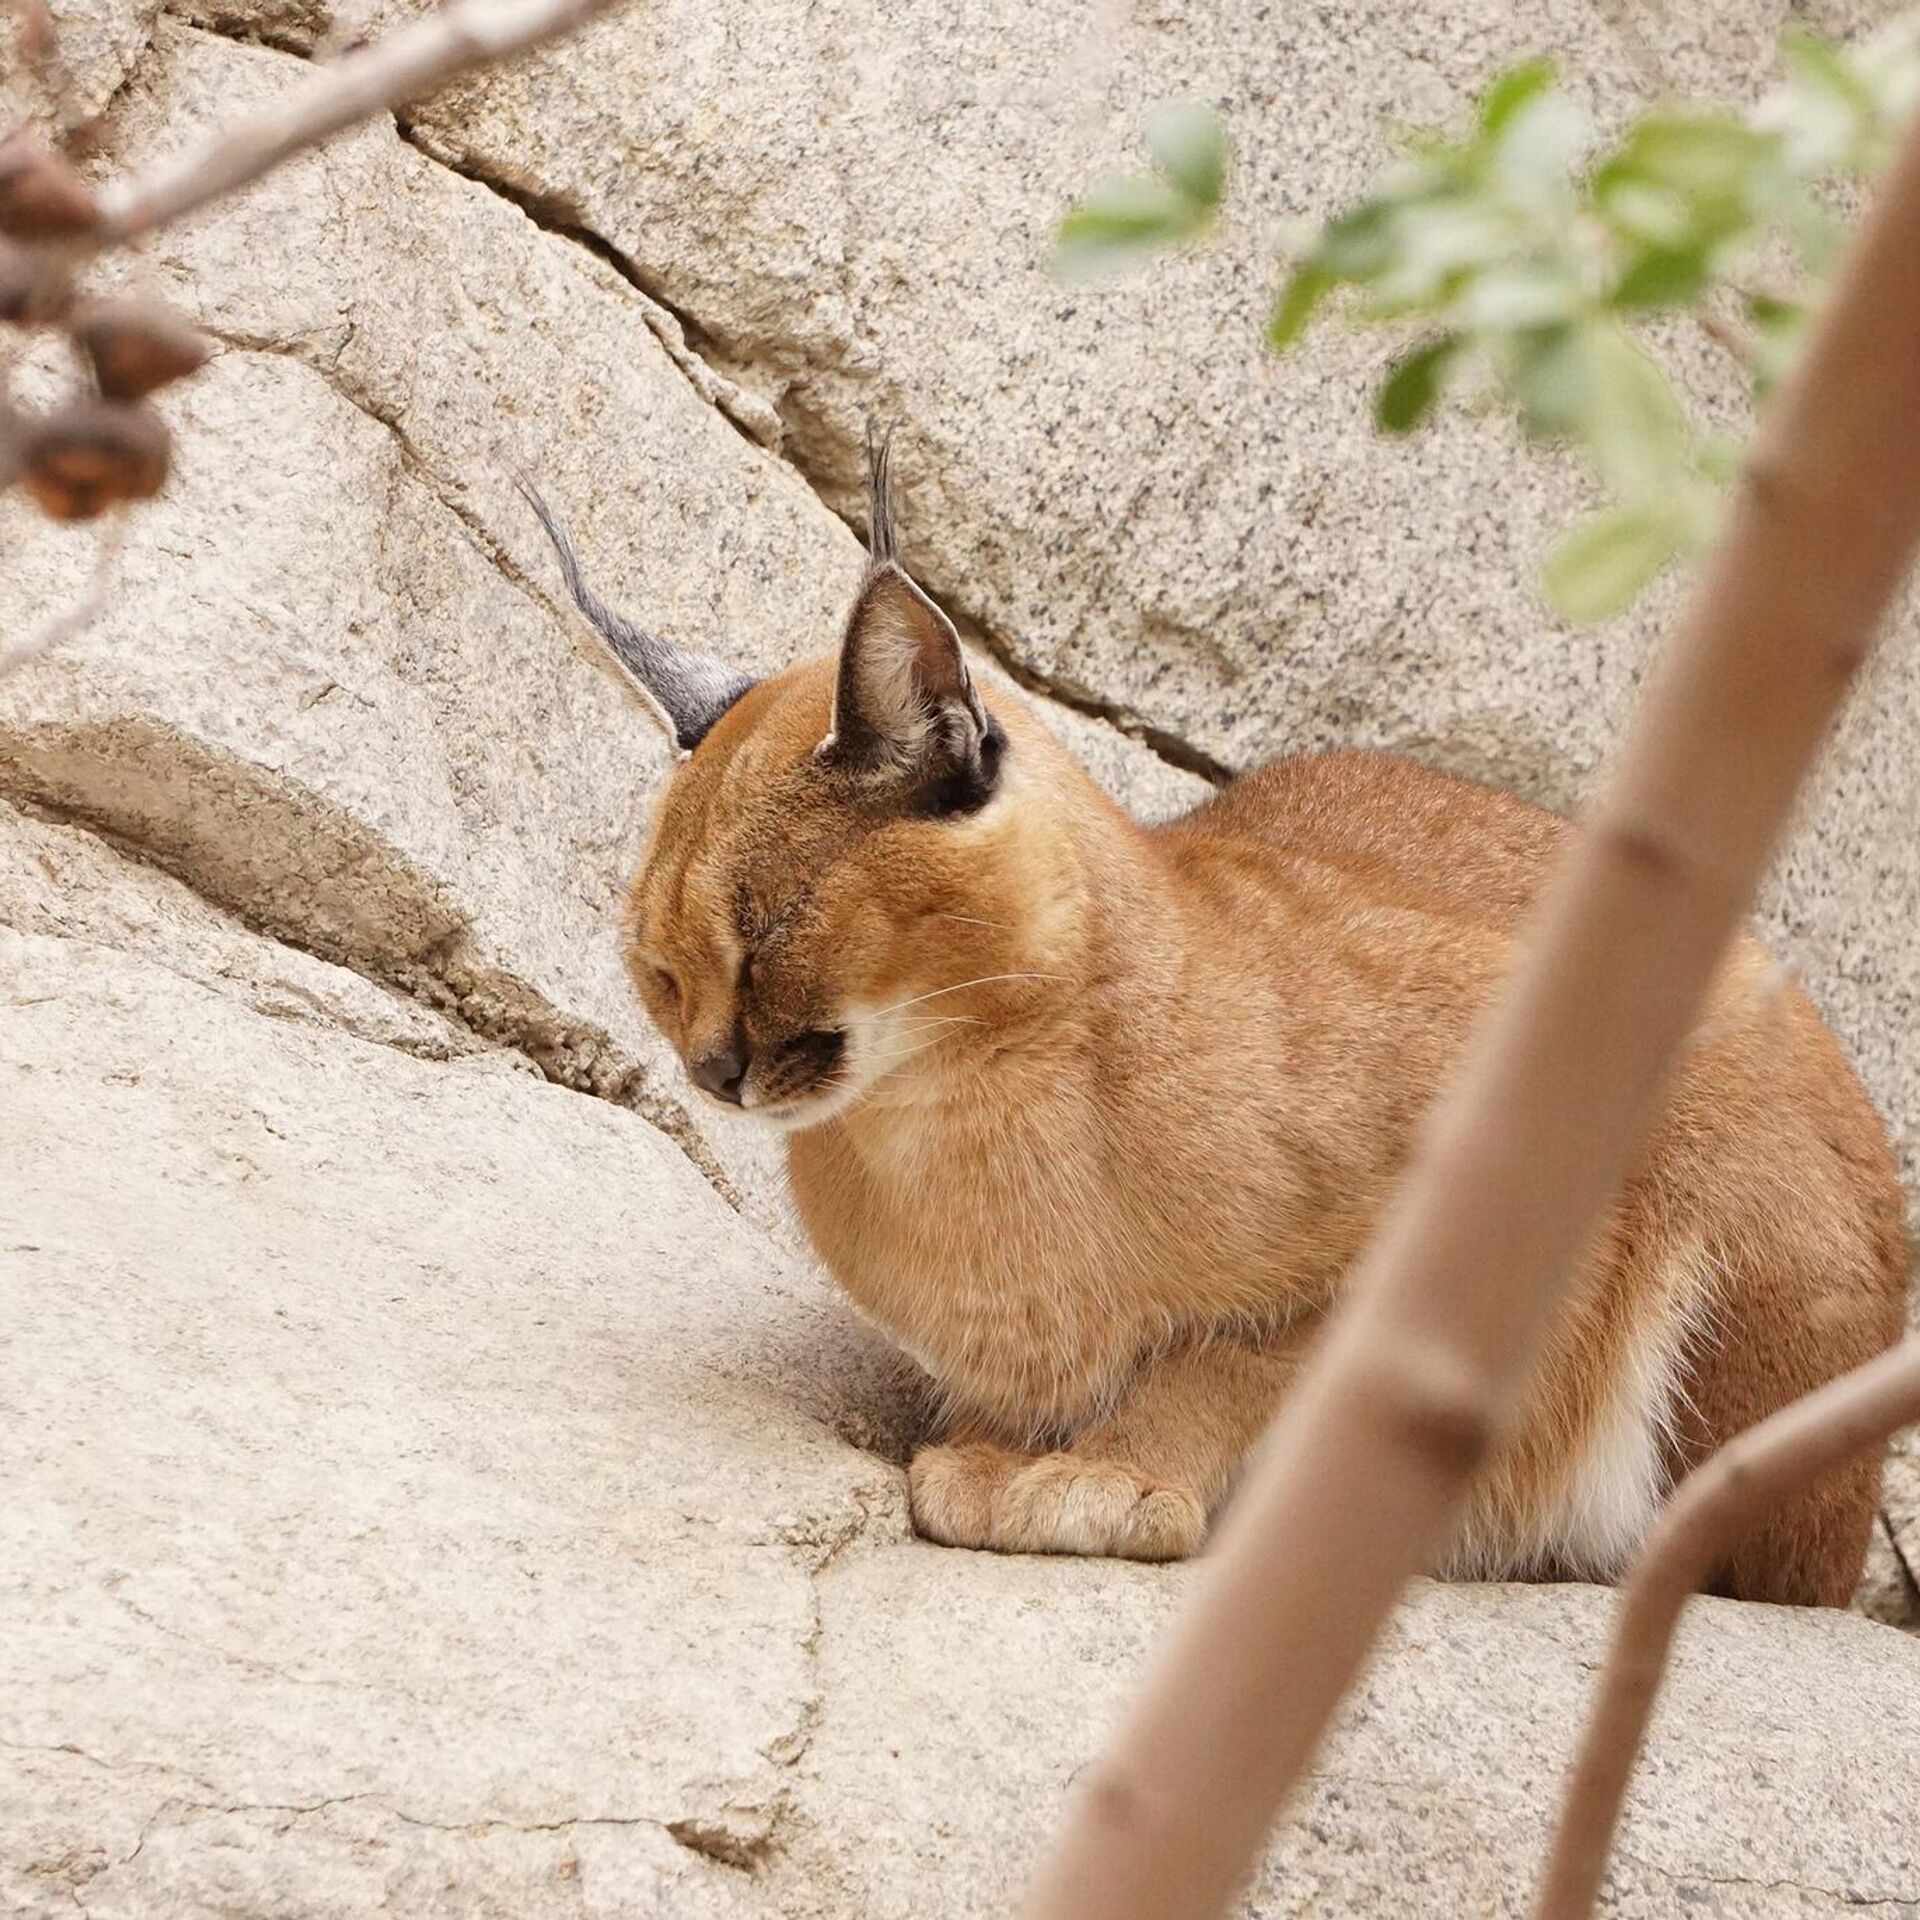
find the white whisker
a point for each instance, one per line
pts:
(895, 1052)
(959, 986)
(885, 1061)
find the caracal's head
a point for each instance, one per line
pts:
(854, 876)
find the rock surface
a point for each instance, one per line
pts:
(849, 206)
(425, 1490)
(425, 1495)
(373, 730)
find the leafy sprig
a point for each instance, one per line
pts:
(1524, 263)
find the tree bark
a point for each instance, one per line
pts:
(1358, 1483)
(1742, 1481)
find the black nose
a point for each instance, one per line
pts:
(721, 1073)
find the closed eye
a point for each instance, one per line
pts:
(755, 949)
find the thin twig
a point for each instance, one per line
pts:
(75, 619)
(34, 37)
(404, 66)
(1359, 1484)
(415, 61)
(1733, 340)
(1765, 1465)
(43, 65)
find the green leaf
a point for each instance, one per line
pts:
(1435, 240)
(1662, 277)
(1189, 146)
(1360, 243)
(1824, 115)
(1888, 62)
(1768, 309)
(1295, 236)
(1516, 298)
(1599, 564)
(1298, 301)
(1633, 431)
(1414, 384)
(1779, 328)
(1718, 457)
(1822, 67)
(1552, 377)
(1644, 214)
(1817, 235)
(1511, 90)
(1121, 221)
(1535, 153)
(1706, 156)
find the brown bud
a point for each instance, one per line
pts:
(42, 196)
(35, 289)
(16, 285)
(12, 442)
(93, 454)
(136, 346)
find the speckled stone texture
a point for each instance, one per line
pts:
(434, 1480)
(372, 728)
(850, 205)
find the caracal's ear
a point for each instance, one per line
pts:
(904, 707)
(686, 692)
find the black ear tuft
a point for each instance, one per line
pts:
(687, 692)
(905, 707)
(882, 548)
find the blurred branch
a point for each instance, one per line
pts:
(1766, 1464)
(106, 446)
(1365, 1471)
(34, 39)
(41, 64)
(375, 79)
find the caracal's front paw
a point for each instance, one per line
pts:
(952, 1490)
(985, 1496)
(1066, 1503)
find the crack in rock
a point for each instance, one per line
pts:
(752, 414)
(742, 1843)
(760, 421)
(879, 1516)
(1841, 1896)
(1907, 1615)
(441, 971)
(729, 1846)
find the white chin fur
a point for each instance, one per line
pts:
(813, 1110)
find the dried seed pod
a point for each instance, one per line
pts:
(12, 444)
(16, 285)
(42, 196)
(35, 289)
(93, 454)
(136, 346)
